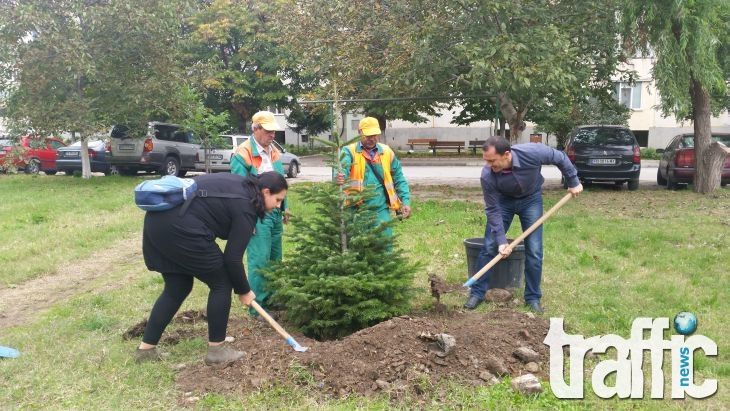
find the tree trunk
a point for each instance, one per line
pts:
(513, 116)
(709, 157)
(85, 163)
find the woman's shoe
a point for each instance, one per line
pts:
(222, 354)
(150, 354)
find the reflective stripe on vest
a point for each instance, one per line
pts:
(357, 173)
(245, 150)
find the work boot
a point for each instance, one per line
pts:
(222, 354)
(535, 307)
(150, 354)
(473, 302)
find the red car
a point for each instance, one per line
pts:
(677, 165)
(36, 154)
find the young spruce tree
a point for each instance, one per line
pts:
(345, 273)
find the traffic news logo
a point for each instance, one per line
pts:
(627, 365)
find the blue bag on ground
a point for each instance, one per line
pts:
(164, 193)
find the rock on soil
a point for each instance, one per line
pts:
(390, 357)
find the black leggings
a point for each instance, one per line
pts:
(177, 288)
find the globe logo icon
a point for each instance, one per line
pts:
(685, 323)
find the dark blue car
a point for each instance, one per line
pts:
(69, 158)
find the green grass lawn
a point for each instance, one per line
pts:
(610, 257)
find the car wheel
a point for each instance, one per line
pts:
(633, 185)
(660, 181)
(293, 169)
(113, 171)
(671, 184)
(33, 166)
(171, 167)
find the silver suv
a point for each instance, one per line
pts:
(166, 149)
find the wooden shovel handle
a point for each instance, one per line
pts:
(270, 320)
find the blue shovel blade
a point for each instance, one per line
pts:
(7, 352)
(296, 345)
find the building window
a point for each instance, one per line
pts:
(354, 124)
(628, 95)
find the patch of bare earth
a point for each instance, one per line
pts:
(401, 356)
(23, 302)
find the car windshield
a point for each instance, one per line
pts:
(724, 139)
(225, 143)
(604, 137)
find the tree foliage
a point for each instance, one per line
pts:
(521, 53)
(348, 273)
(329, 292)
(312, 118)
(82, 65)
(238, 59)
(692, 69)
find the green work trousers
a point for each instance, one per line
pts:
(264, 246)
(385, 216)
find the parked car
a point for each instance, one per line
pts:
(35, 154)
(221, 155)
(69, 158)
(605, 154)
(677, 165)
(166, 149)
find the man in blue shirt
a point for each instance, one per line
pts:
(512, 185)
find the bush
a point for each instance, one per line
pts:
(329, 290)
(648, 153)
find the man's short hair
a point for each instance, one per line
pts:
(501, 145)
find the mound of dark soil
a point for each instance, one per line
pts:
(395, 356)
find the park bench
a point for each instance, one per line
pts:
(426, 142)
(444, 145)
(475, 144)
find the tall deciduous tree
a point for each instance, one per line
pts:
(518, 52)
(242, 65)
(690, 42)
(82, 65)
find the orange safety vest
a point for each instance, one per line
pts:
(357, 173)
(246, 150)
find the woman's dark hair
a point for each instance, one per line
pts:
(272, 180)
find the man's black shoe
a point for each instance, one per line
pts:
(473, 302)
(535, 307)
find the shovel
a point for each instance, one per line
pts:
(289, 339)
(518, 240)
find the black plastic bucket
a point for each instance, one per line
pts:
(507, 273)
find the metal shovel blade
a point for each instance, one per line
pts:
(295, 345)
